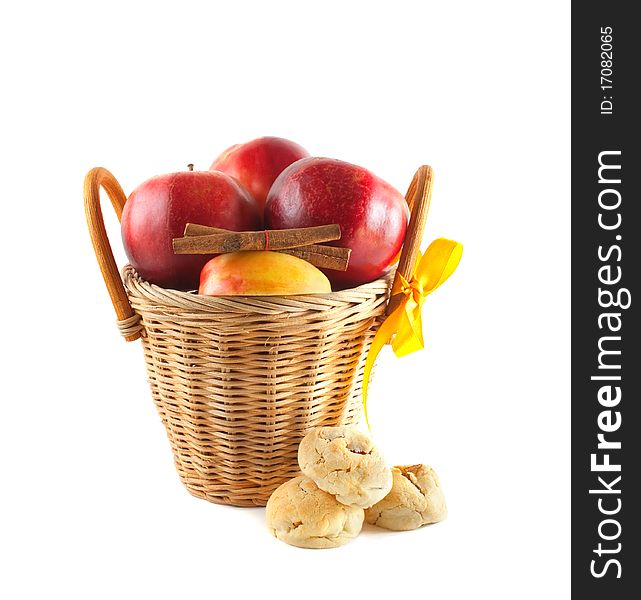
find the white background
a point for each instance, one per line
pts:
(92, 506)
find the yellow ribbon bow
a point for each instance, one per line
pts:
(404, 325)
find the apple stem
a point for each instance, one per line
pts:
(190, 166)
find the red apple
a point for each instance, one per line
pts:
(157, 211)
(256, 164)
(372, 214)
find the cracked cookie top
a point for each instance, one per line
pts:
(416, 499)
(301, 514)
(345, 462)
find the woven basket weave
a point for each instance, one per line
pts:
(238, 381)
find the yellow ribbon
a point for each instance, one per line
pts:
(404, 325)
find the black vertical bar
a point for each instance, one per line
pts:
(606, 337)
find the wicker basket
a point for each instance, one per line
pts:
(238, 381)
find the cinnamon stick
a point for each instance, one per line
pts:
(192, 229)
(236, 241)
(324, 257)
(195, 229)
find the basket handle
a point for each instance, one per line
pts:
(128, 319)
(418, 197)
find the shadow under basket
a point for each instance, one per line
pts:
(238, 381)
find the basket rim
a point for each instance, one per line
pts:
(138, 287)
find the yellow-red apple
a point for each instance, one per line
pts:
(261, 273)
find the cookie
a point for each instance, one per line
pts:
(416, 499)
(345, 463)
(301, 514)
